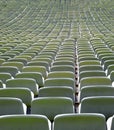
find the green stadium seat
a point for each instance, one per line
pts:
(22, 122)
(51, 106)
(82, 121)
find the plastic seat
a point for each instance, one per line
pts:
(27, 57)
(51, 82)
(90, 68)
(90, 91)
(10, 106)
(82, 121)
(22, 93)
(51, 106)
(63, 68)
(34, 75)
(63, 62)
(88, 81)
(110, 68)
(107, 63)
(2, 61)
(98, 104)
(23, 83)
(4, 76)
(9, 69)
(94, 73)
(22, 60)
(89, 62)
(19, 65)
(39, 63)
(106, 58)
(85, 58)
(43, 59)
(39, 69)
(61, 74)
(24, 122)
(57, 91)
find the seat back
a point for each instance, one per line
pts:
(98, 104)
(51, 106)
(10, 106)
(57, 91)
(81, 121)
(23, 83)
(24, 122)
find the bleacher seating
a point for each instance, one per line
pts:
(57, 49)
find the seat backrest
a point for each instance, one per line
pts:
(19, 65)
(89, 91)
(59, 82)
(62, 68)
(10, 106)
(4, 76)
(88, 81)
(9, 69)
(93, 73)
(90, 68)
(98, 104)
(34, 75)
(22, 93)
(24, 122)
(23, 83)
(57, 91)
(40, 69)
(61, 74)
(51, 106)
(83, 121)
(39, 63)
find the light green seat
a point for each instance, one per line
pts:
(22, 60)
(19, 65)
(2, 61)
(51, 106)
(39, 69)
(24, 94)
(51, 82)
(58, 91)
(64, 58)
(94, 73)
(110, 68)
(108, 63)
(85, 58)
(82, 121)
(34, 75)
(27, 57)
(88, 81)
(105, 58)
(98, 104)
(9, 106)
(89, 62)
(24, 122)
(9, 69)
(23, 83)
(63, 62)
(61, 74)
(4, 76)
(43, 59)
(90, 91)
(39, 63)
(90, 68)
(62, 68)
